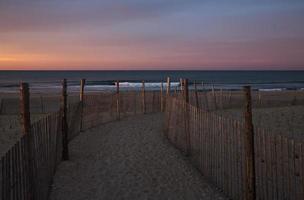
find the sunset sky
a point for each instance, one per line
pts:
(152, 34)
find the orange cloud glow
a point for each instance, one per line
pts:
(171, 34)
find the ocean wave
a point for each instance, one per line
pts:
(147, 84)
(73, 86)
(271, 89)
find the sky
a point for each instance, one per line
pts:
(154, 34)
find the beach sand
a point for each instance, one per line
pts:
(10, 130)
(10, 121)
(287, 121)
(128, 159)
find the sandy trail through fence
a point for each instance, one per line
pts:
(129, 159)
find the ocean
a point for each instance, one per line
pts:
(47, 81)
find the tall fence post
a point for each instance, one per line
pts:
(214, 97)
(222, 100)
(81, 98)
(167, 107)
(167, 90)
(229, 101)
(168, 86)
(205, 95)
(196, 95)
(65, 147)
(186, 114)
(249, 148)
(161, 97)
(82, 84)
(26, 130)
(143, 97)
(186, 90)
(117, 100)
(181, 82)
(25, 108)
(259, 98)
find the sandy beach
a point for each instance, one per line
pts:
(128, 159)
(10, 124)
(287, 120)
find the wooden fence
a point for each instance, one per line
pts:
(39, 104)
(214, 100)
(216, 146)
(106, 107)
(27, 168)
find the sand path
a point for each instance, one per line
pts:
(129, 159)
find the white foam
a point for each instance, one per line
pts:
(271, 89)
(147, 84)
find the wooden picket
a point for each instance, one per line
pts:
(217, 149)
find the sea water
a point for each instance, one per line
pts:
(47, 81)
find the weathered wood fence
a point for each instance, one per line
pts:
(218, 146)
(39, 104)
(27, 168)
(214, 100)
(106, 107)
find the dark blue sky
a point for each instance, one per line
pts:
(121, 34)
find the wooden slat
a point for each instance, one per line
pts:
(298, 168)
(279, 158)
(291, 171)
(286, 169)
(302, 169)
(273, 173)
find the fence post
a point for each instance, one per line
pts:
(260, 98)
(186, 90)
(205, 93)
(167, 91)
(222, 102)
(229, 101)
(82, 84)
(167, 107)
(26, 130)
(117, 100)
(182, 92)
(168, 86)
(25, 108)
(65, 147)
(143, 97)
(214, 97)
(249, 148)
(161, 97)
(196, 95)
(186, 114)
